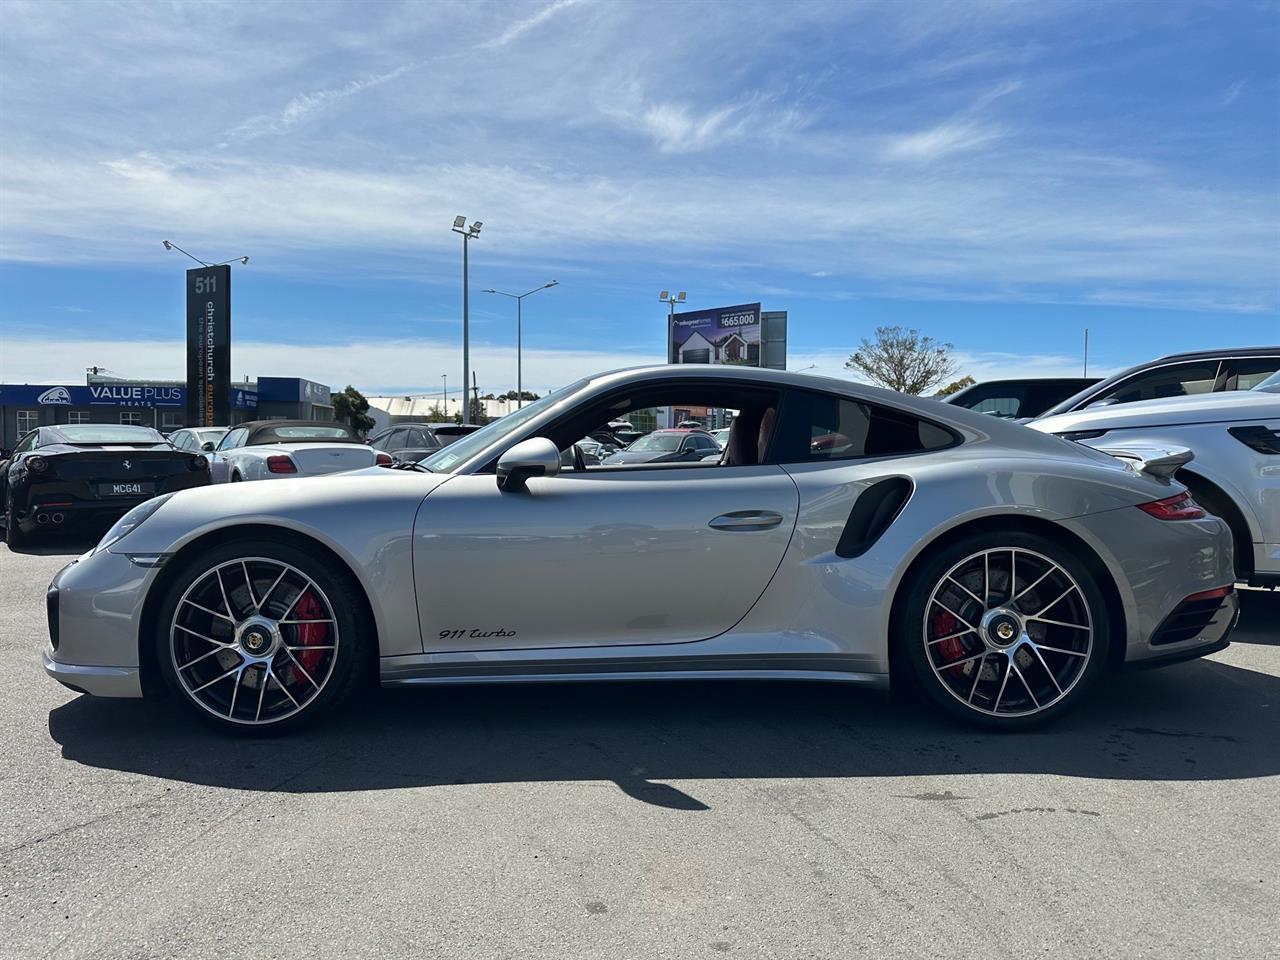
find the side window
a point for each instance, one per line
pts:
(705, 443)
(1247, 374)
(1179, 380)
(28, 442)
(179, 440)
(997, 401)
(418, 440)
(381, 440)
(233, 439)
(817, 427)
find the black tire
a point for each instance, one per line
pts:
(236, 478)
(355, 641)
(1046, 657)
(13, 536)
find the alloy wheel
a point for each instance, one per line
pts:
(1008, 632)
(253, 641)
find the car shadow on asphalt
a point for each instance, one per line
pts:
(1203, 720)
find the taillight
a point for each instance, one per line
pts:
(281, 464)
(199, 463)
(1217, 593)
(1260, 438)
(1178, 507)
(37, 464)
(383, 459)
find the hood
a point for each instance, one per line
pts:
(305, 503)
(1230, 405)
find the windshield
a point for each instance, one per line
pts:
(463, 449)
(107, 433)
(1269, 385)
(666, 442)
(303, 433)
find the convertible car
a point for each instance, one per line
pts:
(999, 570)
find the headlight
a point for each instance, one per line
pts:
(131, 521)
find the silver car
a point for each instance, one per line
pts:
(1236, 472)
(847, 534)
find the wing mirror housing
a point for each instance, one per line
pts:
(207, 446)
(535, 457)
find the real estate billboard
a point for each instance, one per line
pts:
(718, 335)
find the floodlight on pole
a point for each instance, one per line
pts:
(468, 234)
(519, 299)
(170, 245)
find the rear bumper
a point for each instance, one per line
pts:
(1156, 566)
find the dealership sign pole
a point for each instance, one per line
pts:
(209, 346)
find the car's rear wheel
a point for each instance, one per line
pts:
(1006, 630)
(13, 535)
(262, 637)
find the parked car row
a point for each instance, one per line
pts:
(1223, 405)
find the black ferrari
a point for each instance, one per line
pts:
(89, 474)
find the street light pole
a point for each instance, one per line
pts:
(468, 234)
(519, 299)
(444, 394)
(671, 299)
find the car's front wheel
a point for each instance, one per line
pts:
(262, 637)
(1007, 630)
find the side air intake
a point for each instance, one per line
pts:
(873, 511)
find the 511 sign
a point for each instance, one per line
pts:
(209, 346)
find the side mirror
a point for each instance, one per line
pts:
(535, 457)
(207, 446)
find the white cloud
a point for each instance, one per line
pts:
(520, 27)
(1232, 93)
(940, 141)
(402, 367)
(304, 105)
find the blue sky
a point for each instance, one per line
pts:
(999, 174)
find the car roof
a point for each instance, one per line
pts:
(1165, 411)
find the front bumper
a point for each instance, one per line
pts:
(96, 681)
(95, 607)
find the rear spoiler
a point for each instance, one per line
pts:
(1161, 462)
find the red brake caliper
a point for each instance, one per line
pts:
(944, 624)
(308, 607)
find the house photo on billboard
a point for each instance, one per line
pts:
(719, 335)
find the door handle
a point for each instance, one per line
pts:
(746, 520)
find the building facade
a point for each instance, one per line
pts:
(160, 404)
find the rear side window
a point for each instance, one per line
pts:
(817, 427)
(1247, 374)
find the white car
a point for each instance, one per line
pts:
(1235, 436)
(273, 449)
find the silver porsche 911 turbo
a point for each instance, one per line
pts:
(845, 534)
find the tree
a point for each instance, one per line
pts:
(352, 408)
(955, 386)
(512, 395)
(900, 359)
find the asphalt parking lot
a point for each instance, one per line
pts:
(643, 820)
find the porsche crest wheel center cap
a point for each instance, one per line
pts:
(1001, 628)
(259, 638)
